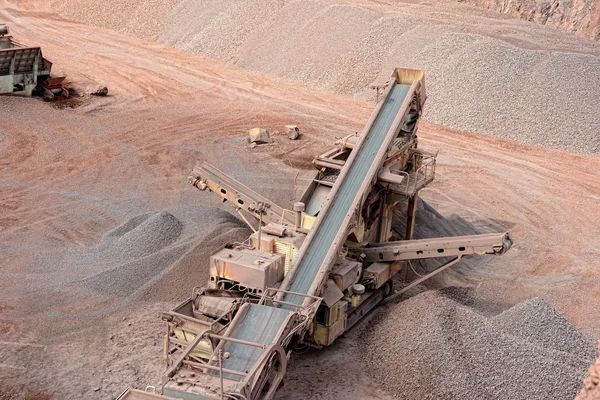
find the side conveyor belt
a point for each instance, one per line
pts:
(240, 196)
(453, 246)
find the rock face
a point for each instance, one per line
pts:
(581, 17)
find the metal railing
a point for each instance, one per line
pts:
(418, 179)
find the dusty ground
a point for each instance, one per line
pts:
(69, 175)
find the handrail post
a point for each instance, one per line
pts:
(221, 371)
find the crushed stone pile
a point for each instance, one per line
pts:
(494, 76)
(143, 19)
(476, 81)
(154, 252)
(147, 235)
(434, 346)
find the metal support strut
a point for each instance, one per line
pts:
(410, 216)
(422, 279)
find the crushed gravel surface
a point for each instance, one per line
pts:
(435, 346)
(476, 81)
(149, 236)
(143, 19)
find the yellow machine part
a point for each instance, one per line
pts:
(288, 250)
(308, 221)
(204, 348)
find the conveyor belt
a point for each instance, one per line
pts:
(308, 267)
(260, 325)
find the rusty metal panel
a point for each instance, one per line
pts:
(6, 58)
(24, 58)
(345, 273)
(325, 335)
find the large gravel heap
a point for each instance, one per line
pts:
(161, 255)
(525, 86)
(435, 347)
(484, 74)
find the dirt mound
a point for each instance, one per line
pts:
(439, 348)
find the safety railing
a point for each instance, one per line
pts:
(417, 180)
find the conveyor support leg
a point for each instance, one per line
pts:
(411, 215)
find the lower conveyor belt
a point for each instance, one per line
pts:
(260, 325)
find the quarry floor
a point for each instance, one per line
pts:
(73, 170)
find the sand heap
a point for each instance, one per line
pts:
(433, 347)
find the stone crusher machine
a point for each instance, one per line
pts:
(24, 71)
(307, 275)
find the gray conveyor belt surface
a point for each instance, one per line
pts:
(331, 223)
(260, 325)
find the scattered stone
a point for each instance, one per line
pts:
(103, 91)
(259, 135)
(293, 132)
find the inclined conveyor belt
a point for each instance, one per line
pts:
(262, 323)
(331, 224)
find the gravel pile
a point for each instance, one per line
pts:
(145, 235)
(494, 76)
(434, 346)
(475, 83)
(165, 251)
(540, 323)
(143, 19)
